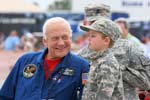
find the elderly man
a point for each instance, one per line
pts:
(52, 74)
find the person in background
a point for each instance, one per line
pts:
(123, 24)
(30, 41)
(129, 56)
(51, 74)
(96, 11)
(2, 36)
(38, 45)
(105, 77)
(27, 42)
(79, 42)
(145, 95)
(147, 46)
(12, 42)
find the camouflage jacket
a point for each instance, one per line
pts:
(128, 57)
(105, 78)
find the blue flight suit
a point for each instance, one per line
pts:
(65, 83)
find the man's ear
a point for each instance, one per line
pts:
(45, 42)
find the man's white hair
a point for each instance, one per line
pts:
(54, 20)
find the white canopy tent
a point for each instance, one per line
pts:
(18, 6)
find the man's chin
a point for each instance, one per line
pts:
(62, 54)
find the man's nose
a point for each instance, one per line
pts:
(61, 41)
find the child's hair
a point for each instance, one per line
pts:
(111, 41)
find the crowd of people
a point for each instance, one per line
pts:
(111, 64)
(27, 42)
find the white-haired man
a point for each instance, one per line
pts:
(52, 74)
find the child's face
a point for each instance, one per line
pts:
(97, 42)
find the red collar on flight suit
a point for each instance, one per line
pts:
(49, 66)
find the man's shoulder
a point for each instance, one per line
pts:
(126, 46)
(30, 55)
(78, 58)
(79, 62)
(123, 42)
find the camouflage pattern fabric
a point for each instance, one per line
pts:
(131, 58)
(134, 76)
(96, 10)
(105, 78)
(131, 61)
(105, 26)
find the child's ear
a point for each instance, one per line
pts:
(107, 41)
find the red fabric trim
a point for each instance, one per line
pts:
(51, 66)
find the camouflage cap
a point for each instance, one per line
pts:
(96, 11)
(105, 26)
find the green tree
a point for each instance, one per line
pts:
(60, 5)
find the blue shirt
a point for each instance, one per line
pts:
(65, 83)
(11, 43)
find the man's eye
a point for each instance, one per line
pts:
(65, 37)
(55, 38)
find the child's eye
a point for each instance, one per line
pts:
(93, 35)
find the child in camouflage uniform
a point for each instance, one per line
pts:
(105, 77)
(130, 57)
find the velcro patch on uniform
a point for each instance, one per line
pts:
(29, 70)
(69, 72)
(84, 78)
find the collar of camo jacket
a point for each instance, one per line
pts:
(93, 55)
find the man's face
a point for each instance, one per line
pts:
(124, 30)
(58, 41)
